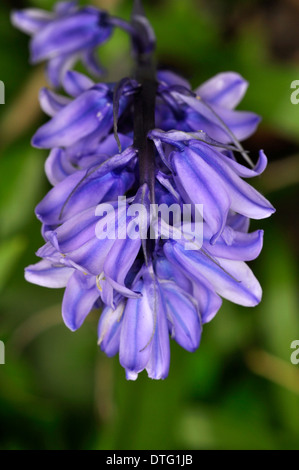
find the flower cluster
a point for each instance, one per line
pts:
(147, 141)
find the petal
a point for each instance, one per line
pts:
(58, 66)
(201, 116)
(49, 209)
(131, 375)
(49, 252)
(158, 364)
(109, 146)
(244, 198)
(109, 329)
(238, 222)
(65, 8)
(208, 301)
(84, 189)
(166, 77)
(81, 117)
(107, 292)
(76, 231)
(137, 330)
(248, 291)
(119, 260)
(125, 249)
(79, 299)
(76, 83)
(88, 194)
(68, 34)
(95, 142)
(242, 123)
(82, 242)
(235, 245)
(82, 228)
(31, 20)
(182, 312)
(91, 61)
(92, 255)
(57, 166)
(51, 102)
(233, 280)
(87, 145)
(244, 172)
(45, 274)
(225, 89)
(166, 271)
(203, 185)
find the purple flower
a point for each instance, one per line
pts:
(210, 108)
(222, 267)
(139, 328)
(103, 181)
(149, 213)
(89, 113)
(64, 162)
(65, 36)
(81, 126)
(203, 173)
(85, 251)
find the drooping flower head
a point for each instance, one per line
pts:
(64, 36)
(149, 213)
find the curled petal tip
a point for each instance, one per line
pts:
(131, 375)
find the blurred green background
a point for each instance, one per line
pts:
(239, 390)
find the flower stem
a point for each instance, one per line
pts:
(144, 102)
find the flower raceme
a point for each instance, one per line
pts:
(149, 213)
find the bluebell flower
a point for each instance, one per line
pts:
(139, 328)
(65, 36)
(118, 150)
(80, 247)
(89, 116)
(101, 182)
(210, 108)
(64, 162)
(222, 267)
(204, 173)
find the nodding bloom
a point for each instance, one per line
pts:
(203, 173)
(210, 108)
(148, 218)
(65, 36)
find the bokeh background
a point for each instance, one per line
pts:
(240, 389)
